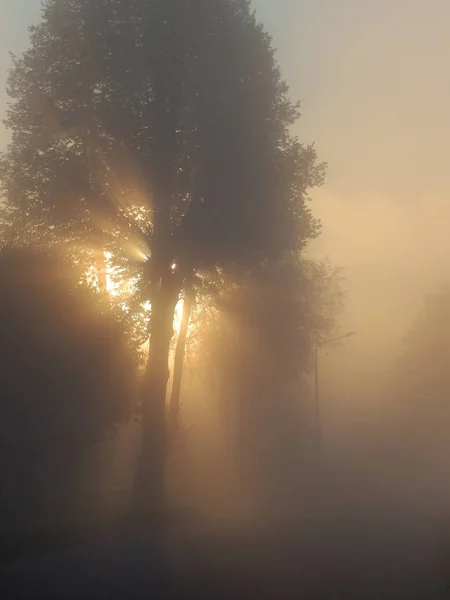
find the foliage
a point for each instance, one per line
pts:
(159, 130)
(425, 362)
(251, 349)
(67, 377)
(284, 307)
(207, 149)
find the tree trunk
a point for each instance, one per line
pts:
(150, 483)
(174, 415)
(101, 270)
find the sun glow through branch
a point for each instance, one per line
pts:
(123, 289)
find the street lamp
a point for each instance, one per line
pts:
(318, 420)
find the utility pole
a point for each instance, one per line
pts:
(317, 418)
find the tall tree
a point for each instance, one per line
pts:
(174, 106)
(424, 364)
(421, 411)
(258, 349)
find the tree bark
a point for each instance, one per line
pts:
(150, 483)
(101, 269)
(174, 415)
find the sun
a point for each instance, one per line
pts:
(116, 288)
(177, 316)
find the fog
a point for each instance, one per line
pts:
(373, 80)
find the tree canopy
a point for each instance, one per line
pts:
(179, 107)
(161, 129)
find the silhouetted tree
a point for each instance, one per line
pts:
(66, 376)
(424, 365)
(173, 106)
(254, 351)
(421, 410)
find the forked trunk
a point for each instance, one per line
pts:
(174, 415)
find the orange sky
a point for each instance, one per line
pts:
(374, 80)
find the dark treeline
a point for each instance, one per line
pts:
(68, 379)
(422, 386)
(152, 149)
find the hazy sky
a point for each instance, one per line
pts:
(374, 80)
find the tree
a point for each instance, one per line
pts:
(66, 379)
(421, 412)
(255, 350)
(424, 365)
(175, 107)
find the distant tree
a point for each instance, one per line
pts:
(424, 365)
(66, 376)
(175, 107)
(287, 304)
(421, 410)
(254, 351)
